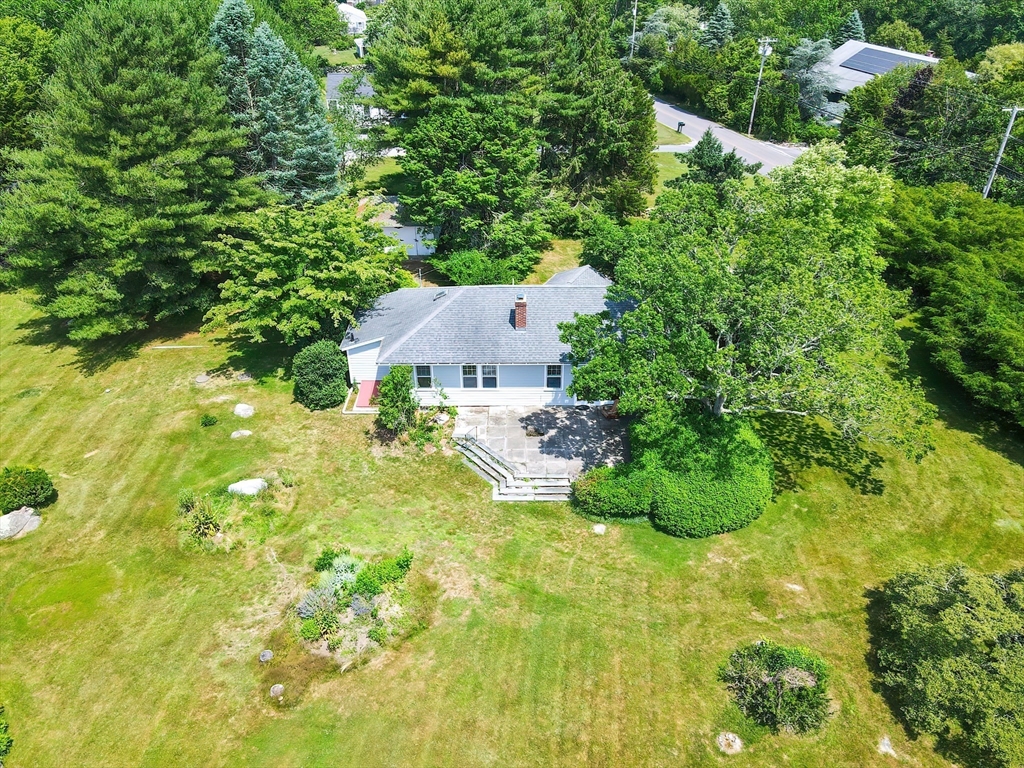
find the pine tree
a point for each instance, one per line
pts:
(852, 29)
(276, 101)
(597, 119)
(720, 28)
(106, 223)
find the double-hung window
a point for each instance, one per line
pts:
(554, 377)
(423, 379)
(489, 376)
(469, 376)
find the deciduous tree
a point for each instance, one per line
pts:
(780, 307)
(302, 273)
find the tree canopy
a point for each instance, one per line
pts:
(774, 305)
(26, 60)
(951, 654)
(108, 218)
(302, 273)
(964, 256)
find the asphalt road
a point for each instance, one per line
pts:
(751, 150)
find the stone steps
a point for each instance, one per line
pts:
(509, 485)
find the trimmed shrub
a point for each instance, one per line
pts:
(367, 584)
(206, 420)
(378, 633)
(320, 372)
(702, 503)
(24, 487)
(715, 475)
(396, 405)
(618, 493)
(316, 600)
(779, 687)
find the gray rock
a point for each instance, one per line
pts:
(18, 522)
(266, 656)
(243, 376)
(245, 411)
(441, 418)
(729, 743)
(600, 529)
(248, 487)
(202, 378)
(276, 691)
(885, 747)
(240, 433)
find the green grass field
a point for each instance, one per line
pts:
(336, 58)
(668, 135)
(550, 646)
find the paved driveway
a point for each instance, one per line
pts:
(541, 442)
(751, 150)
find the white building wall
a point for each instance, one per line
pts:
(517, 385)
(416, 240)
(362, 363)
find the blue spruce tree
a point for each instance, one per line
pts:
(278, 103)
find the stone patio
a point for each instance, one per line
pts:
(567, 441)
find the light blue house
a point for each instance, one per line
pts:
(483, 345)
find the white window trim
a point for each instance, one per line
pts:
(561, 378)
(416, 378)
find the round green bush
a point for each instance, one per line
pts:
(726, 491)
(24, 487)
(613, 493)
(779, 687)
(320, 372)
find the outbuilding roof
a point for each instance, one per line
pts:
(586, 276)
(474, 323)
(335, 79)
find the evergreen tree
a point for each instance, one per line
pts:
(720, 28)
(852, 29)
(597, 120)
(26, 60)
(278, 103)
(107, 221)
(709, 164)
(807, 70)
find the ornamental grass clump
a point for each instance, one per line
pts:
(779, 687)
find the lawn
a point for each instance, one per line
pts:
(385, 177)
(560, 256)
(336, 58)
(668, 135)
(549, 646)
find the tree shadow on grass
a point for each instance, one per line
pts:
(994, 429)
(797, 444)
(262, 361)
(92, 357)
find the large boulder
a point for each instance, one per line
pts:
(18, 523)
(248, 487)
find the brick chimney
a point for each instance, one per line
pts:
(520, 317)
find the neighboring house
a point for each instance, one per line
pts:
(339, 83)
(354, 17)
(855, 62)
(481, 345)
(418, 241)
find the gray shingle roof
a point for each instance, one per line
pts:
(334, 80)
(473, 324)
(579, 276)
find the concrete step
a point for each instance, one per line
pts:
(507, 485)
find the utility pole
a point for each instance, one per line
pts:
(632, 39)
(999, 155)
(764, 47)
